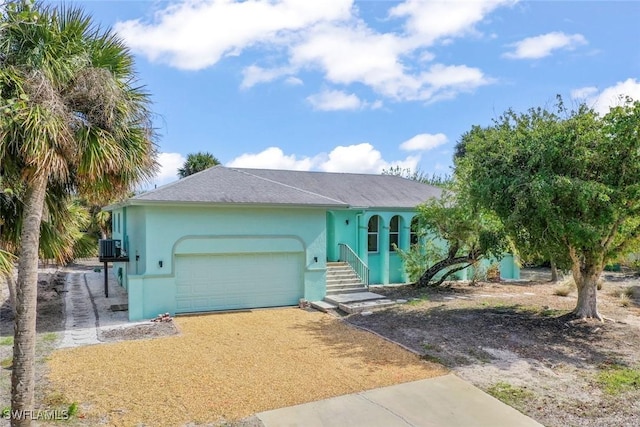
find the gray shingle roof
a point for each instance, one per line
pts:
(225, 185)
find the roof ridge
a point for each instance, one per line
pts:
(176, 182)
(287, 185)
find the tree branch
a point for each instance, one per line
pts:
(612, 233)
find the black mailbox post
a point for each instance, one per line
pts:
(110, 251)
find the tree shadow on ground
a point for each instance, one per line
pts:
(50, 308)
(461, 336)
(359, 349)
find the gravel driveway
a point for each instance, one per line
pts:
(228, 366)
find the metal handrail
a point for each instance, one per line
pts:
(350, 257)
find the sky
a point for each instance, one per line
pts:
(363, 86)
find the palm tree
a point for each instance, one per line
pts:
(197, 162)
(73, 119)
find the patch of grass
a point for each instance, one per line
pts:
(625, 301)
(6, 363)
(434, 359)
(502, 307)
(512, 396)
(49, 337)
(562, 291)
(618, 379)
(550, 312)
(73, 409)
(6, 341)
(418, 301)
(528, 309)
(565, 287)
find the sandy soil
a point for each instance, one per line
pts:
(519, 334)
(49, 324)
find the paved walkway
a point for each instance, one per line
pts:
(446, 401)
(87, 310)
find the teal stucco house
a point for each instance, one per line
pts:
(231, 238)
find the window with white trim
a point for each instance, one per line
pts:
(373, 233)
(394, 233)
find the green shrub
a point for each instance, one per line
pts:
(419, 258)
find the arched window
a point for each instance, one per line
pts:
(415, 228)
(394, 233)
(373, 236)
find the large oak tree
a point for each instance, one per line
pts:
(564, 182)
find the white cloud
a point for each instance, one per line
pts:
(294, 81)
(325, 36)
(334, 100)
(195, 34)
(543, 45)
(350, 55)
(169, 165)
(424, 142)
(254, 74)
(362, 158)
(429, 21)
(608, 97)
(271, 158)
(357, 158)
(584, 92)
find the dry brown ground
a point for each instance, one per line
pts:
(229, 366)
(518, 334)
(50, 322)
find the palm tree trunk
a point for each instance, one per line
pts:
(11, 285)
(24, 344)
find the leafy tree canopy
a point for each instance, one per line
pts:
(197, 162)
(465, 235)
(563, 182)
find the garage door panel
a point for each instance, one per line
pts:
(224, 282)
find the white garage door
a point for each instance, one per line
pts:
(233, 281)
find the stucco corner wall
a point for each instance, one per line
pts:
(150, 296)
(315, 284)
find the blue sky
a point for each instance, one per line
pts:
(360, 86)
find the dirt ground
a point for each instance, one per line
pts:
(517, 335)
(49, 324)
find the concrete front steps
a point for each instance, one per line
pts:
(341, 279)
(346, 292)
(353, 302)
